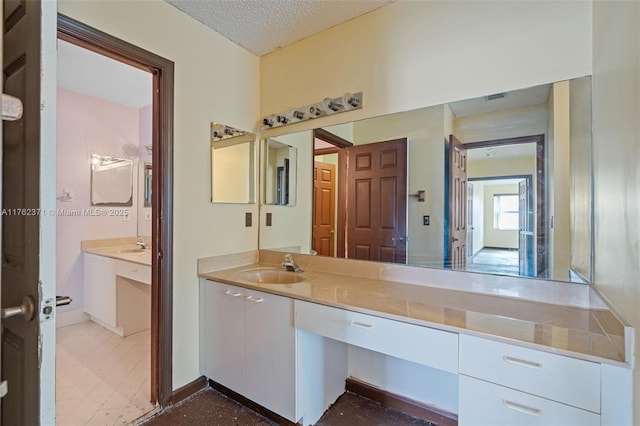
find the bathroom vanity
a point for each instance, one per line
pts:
(288, 341)
(117, 285)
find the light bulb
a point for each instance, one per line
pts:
(349, 99)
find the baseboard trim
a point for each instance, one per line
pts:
(75, 316)
(277, 418)
(188, 389)
(387, 399)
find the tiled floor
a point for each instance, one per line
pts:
(209, 407)
(101, 378)
(495, 261)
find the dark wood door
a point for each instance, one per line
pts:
(377, 201)
(20, 218)
(458, 203)
(324, 199)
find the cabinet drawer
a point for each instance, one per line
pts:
(422, 345)
(134, 271)
(482, 403)
(560, 378)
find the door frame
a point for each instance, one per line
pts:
(162, 71)
(528, 178)
(341, 186)
(541, 214)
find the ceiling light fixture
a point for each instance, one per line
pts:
(221, 131)
(328, 106)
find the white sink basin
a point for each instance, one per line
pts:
(271, 276)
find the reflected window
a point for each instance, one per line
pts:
(505, 212)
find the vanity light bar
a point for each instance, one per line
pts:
(329, 106)
(221, 131)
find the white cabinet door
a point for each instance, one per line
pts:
(100, 288)
(224, 335)
(270, 352)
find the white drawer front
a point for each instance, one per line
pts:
(423, 345)
(560, 378)
(134, 271)
(486, 404)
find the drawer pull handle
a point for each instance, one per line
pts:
(231, 293)
(522, 362)
(255, 299)
(361, 324)
(522, 408)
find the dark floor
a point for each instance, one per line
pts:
(209, 407)
(495, 261)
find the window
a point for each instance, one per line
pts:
(506, 212)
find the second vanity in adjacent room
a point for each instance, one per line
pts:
(117, 284)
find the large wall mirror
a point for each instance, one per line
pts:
(233, 175)
(500, 184)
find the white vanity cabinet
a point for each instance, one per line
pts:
(250, 345)
(100, 288)
(117, 293)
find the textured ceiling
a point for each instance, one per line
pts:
(261, 26)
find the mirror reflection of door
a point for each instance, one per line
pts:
(324, 201)
(371, 201)
(457, 243)
(377, 201)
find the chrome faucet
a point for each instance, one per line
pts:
(289, 264)
(142, 244)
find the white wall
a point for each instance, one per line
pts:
(145, 127)
(558, 167)
(616, 143)
(495, 238)
(581, 170)
(291, 225)
(478, 216)
(86, 126)
(206, 89)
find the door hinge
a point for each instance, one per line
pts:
(4, 388)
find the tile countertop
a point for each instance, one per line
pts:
(118, 248)
(594, 334)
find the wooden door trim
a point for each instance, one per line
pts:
(162, 70)
(329, 137)
(341, 185)
(541, 217)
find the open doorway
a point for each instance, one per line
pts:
(500, 226)
(496, 206)
(138, 323)
(103, 238)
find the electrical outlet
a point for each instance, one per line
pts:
(248, 219)
(425, 220)
(147, 215)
